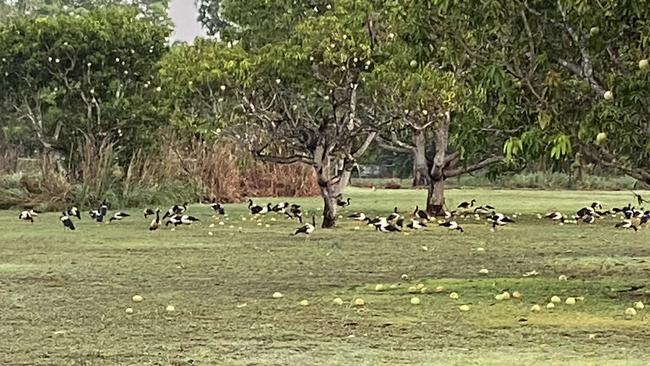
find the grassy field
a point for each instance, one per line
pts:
(63, 295)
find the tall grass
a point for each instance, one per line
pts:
(185, 171)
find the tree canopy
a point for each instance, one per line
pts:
(66, 77)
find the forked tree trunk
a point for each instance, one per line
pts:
(436, 191)
(420, 165)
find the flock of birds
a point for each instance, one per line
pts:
(632, 217)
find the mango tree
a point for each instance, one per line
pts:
(67, 78)
(584, 68)
(444, 81)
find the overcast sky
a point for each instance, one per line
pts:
(183, 14)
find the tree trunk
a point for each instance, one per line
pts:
(420, 165)
(436, 190)
(329, 207)
(342, 184)
(436, 197)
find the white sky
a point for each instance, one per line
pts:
(183, 14)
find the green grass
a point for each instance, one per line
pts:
(63, 295)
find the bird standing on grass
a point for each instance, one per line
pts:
(341, 203)
(466, 205)
(155, 224)
(217, 208)
(306, 229)
(175, 210)
(67, 222)
(74, 211)
(148, 212)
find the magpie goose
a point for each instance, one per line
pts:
(466, 205)
(155, 224)
(148, 212)
(175, 210)
(306, 229)
(416, 225)
(217, 208)
(341, 203)
(26, 216)
(66, 221)
(421, 214)
(626, 224)
(393, 216)
(258, 210)
(118, 216)
(452, 225)
(358, 216)
(74, 211)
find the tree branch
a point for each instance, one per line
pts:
(472, 168)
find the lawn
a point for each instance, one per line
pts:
(63, 295)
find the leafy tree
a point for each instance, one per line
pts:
(583, 66)
(444, 81)
(300, 97)
(68, 77)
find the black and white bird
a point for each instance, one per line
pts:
(387, 227)
(258, 210)
(588, 219)
(555, 216)
(118, 216)
(341, 203)
(416, 225)
(280, 207)
(585, 211)
(66, 221)
(306, 229)
(358, 216)
(466, 205)
(26, 216)
(103, 208)
(148, 212)
(188, 220)
(393, 216)
(175, 210)
(627, 225)
(452, 225)
(500, 219)
(421, 214)
(295, 212)
(217, 208)
(174, 220)
(155, 223)
(74, 211)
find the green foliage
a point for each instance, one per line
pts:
(67, 76)
(581, 70)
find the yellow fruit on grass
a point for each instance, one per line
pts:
(277, 295)
(359, 302)
(464, 308)
(535, 308)
(415, 301)
(137, 298)
(338, 301)
(556, 300)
